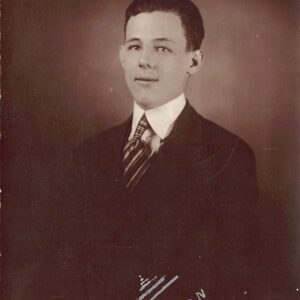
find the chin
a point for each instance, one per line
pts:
(146, 103)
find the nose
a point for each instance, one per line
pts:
(146, 60)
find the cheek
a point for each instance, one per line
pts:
(130, 70)
(127, 63)
(175, 74)
(174, 66)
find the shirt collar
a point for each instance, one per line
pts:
(160, 118)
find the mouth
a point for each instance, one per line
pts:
(145, 79)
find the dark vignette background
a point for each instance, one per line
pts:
(61, 82)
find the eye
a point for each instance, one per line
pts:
(133, 47)
(163, 49)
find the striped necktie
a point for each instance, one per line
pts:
(137, 155)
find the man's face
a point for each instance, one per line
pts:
(155, 59)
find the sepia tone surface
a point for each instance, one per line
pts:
(62, 82)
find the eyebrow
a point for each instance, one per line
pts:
(163, 40)
(132, 40)
(155, 40)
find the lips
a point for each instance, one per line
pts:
(146, 79)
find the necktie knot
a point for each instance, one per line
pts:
(141, 127)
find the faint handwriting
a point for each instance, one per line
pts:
(200, 295)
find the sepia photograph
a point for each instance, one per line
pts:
(150, 149)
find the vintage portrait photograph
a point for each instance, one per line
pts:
(150, 149)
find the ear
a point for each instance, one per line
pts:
(195, 61)
(122, 55)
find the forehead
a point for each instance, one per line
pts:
(156, 25)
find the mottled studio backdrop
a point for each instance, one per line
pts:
(61, 82)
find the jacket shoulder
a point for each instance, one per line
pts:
(107, 137)
(217, 138)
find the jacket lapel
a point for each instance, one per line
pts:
(181, 150)
(110, 154)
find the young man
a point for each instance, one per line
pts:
(165, 200)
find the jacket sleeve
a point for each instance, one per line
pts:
(234, 256)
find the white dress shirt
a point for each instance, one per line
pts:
(161, 120)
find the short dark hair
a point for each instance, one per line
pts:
(188, 12)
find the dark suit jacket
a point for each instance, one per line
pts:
(192, 215)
